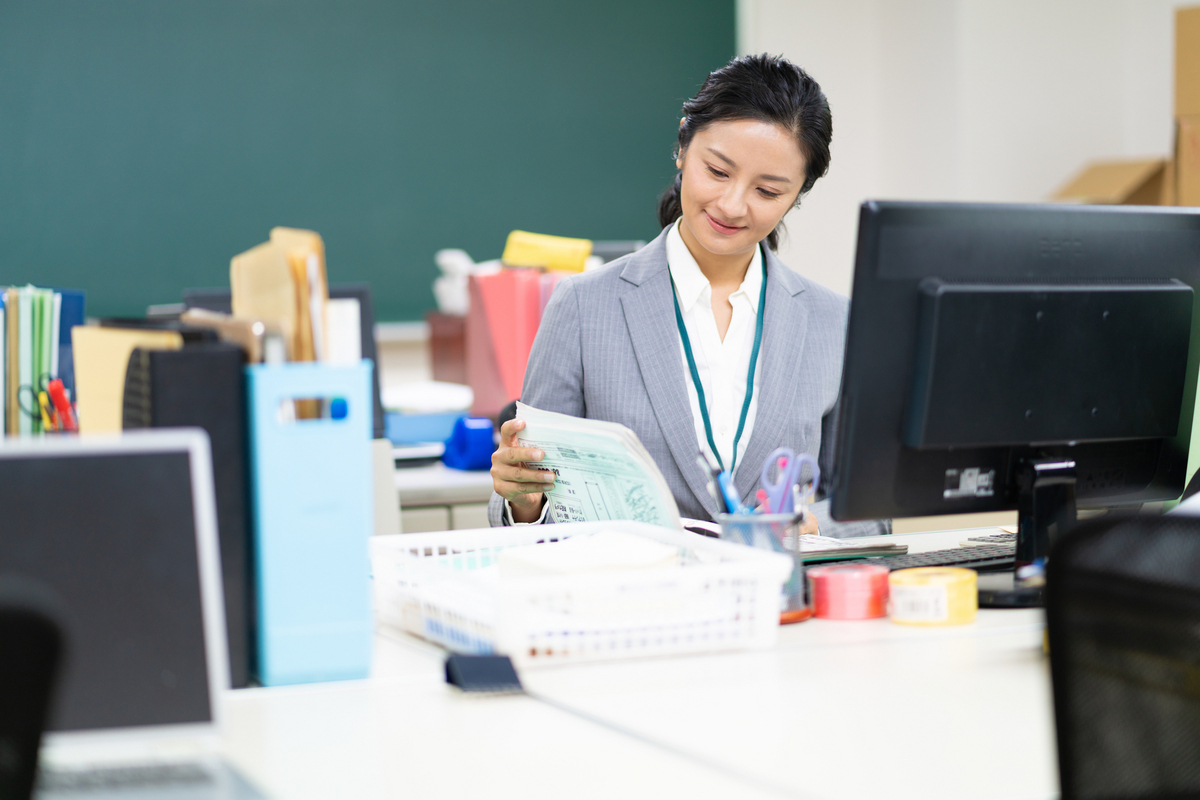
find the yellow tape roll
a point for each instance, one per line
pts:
(933, 596)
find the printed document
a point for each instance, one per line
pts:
(603, 471)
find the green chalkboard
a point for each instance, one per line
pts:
(145, 142)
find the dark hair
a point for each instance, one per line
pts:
(766, 88)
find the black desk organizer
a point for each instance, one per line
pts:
(203, 386)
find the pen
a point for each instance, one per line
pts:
(725, 482)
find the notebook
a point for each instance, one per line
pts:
(123, 530)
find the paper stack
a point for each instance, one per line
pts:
(599, 552)
(603, 470)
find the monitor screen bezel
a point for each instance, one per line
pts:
(195, 444)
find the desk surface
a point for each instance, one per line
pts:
(438, 485)
(835, 709)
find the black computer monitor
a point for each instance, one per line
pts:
(1024, 357)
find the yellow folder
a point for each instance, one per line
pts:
(12, 358)
(101, 358)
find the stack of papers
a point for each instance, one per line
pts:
(603, 471)
(606, 550)
(824, 548)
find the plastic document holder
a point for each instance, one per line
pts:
(313, 511)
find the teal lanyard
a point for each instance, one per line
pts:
(691, 361)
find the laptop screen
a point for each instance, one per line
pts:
(113, 535)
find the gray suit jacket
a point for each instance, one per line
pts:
(608, 348)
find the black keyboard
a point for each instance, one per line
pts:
(984, 556)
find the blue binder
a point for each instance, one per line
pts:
(314, 516)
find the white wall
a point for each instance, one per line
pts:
(988, 100)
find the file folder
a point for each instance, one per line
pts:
(314, 516)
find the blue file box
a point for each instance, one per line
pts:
(314, 516)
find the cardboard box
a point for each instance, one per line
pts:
(1142, 182)
(1170, 189)
(1187, 160)
(1187, 61)
(447, 346)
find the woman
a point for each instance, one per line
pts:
(702, 339)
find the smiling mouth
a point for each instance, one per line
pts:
(721, 227)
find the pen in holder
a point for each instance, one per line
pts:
(773, 532)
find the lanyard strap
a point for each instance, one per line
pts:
(691, 362)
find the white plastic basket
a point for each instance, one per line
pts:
(723, 597)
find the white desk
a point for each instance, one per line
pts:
(405, 733)
(437, 498)
(837, 712)
(836, 709)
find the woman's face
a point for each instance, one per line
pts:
(739, 178)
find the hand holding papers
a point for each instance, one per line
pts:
(603, 471)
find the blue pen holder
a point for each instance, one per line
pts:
(771, 532)
(314, 516)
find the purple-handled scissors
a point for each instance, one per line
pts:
(780, 492)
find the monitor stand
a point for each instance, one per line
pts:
(1046, 508)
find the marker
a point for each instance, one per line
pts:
(58, 396)
(44, 407)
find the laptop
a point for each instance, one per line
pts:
(123, 530)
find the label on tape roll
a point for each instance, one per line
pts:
(933, 595)
(915, 603)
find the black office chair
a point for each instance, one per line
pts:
(1123, 613)
(506, 413)
(1192, 487)
(31, 647)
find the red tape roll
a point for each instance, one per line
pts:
(848, 591)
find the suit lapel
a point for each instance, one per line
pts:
(785, 323)
(656, 345)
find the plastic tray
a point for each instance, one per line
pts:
(723, 597)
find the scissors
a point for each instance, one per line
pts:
(782, 492)
(47, 402)
(28, 397)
